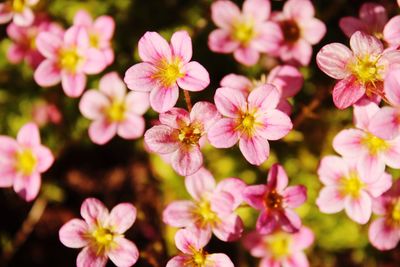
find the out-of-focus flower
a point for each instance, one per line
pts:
(164, 68)
(23, 160)
(113, 111)
(44, 113)
(19, 11)
(245, 33)
(287, 79)
(384, 232)
(370, 151)
(276, 202)
(23, 39)
(251, 120)
(101, 234)
(361, 70)
(180, 134)
(101, 31)
(349, 187)
(213, 208)
(191, 243)
(68, 59)
(300, 31)
(373, 19)
(280, 248)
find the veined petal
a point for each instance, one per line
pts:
(265, 98)
(229, 102)
(179, 213)
(254, 196)
(347, 92)
(359, 209)
(348, 143)
(238, 82)
(88, 258)
(72, 234)
(294, 196)
(287, 79)
(181, 45)
(381, 185)
(363, 112)
(277, 178)
(333, 58)
(383, 236)
(139, 77)
(363, 44)
(391, 32)
(153, 47)
(196, 77)
(163, 99)
(392, 87)
(385, 123)
(218, 260)
(93, 211)
(233, 186)
(191, 238)
(122, 217)
(205, 113)
(200, 183)
(187, 160)
(223, 133)
(255, 149)
(124, 254)
(266, 223)
(275, 125)
(175, 118)
(161, 139)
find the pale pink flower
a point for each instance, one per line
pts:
(300, 31)
(101, 31)
(23, 160)
(373, 19)
(349, 187)
(68, 59)
(113, 111)
(280, 248)
(360, 71)
(245, 33)
(384, 232)
(191, 243)
(287, 79)
(45, 112)
(181, 134)
(101, 234)
(19, 11)
(276, 201)
(370, 152)
(251, 120)
(164, 68)
(23, 39)
(213, 206)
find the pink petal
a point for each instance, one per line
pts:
(254, 196)
(139, 77)
(122, 217)
(163, 99)
(222, 203)
(5, 13)
(331, 169)
(374, 16)
(153, 47)
(179, 261)
(8, 147)
(191, 238)
(101, 131)
(229, 229)
(349, 142)
(72, 234)
(175, 118)
(382, 236)
(392, 87)
(350, 25)
(238, 82)
(247, 55)
(132, 127)
(303, 238)
(313, 30)
(233, 186)
(229, 101)
(223, 13)
(7, 173)
(181, 45)
(196, 77)
(204, 113)
(44, 158)
(290, 221)
(73, 84)
(347, 92)
(299, 9)
(92, 104)
(105, 25)
(88, 258)
(277, 178)
(257, 9)
(161, 139)
(200, 183)
(275, 125)
(295, 196)
(47, 74)
(333, 58)
(391, 32)
(330, 200)
(363, 44)
(24, 18)
(265, 97)
(187, 160)
(29, 135)
(297, 259)
(137, 102)
(359, 209)
(218, 260)
(223, 133)
(82, 17)
(179, 213)
(370, 167)
(125, 254)
(269, 262)
(76, 36)
(385, 124)
(255, 149)
(266, 223)
(287, 79)
(253, 242)
(301, 52)
(15, 53)
(380, 185)
(93, 211)
(363, 112)
(392, 154)
(95, 61)
(28, 186)
(221, 41)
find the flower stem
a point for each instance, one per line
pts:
(187, 99)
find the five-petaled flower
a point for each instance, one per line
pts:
(101, 234)
(19, 11)
(276, 202)
(164, 68)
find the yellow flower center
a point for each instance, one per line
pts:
(395, 213)
(291, 30)
(70, 59)
(94, 40)
(102, 239)
(205, 215)
(247, 123)
(116, 112)
(18, 5)
(374, 144)
(199, 258)
(243, 31)
(190, 134)
(366, 69)
(352, 185)
(168, 72)
(26, 162)
(278, 245)
(273, 200)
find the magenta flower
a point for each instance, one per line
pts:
(361, 70)
(181, 134)
(246, 34)
(373, 20)
(280, 248)
(251, 120)
(113, 111)
(287, 79)
(300, 31)
(23, 39)
(23, 160)
(349, 187)
(384, 232)
(19, 11)
(191, 243)
(100, 31)
(213, 206)
(101, 234)
(370, 151)
(68, 59)
(276, 202)
(164, 68)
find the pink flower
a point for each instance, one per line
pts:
(68, 59)
(370, 151)
(361, 70)
(373, 20)
(19, 11)
(44, 113)
(100, 32)
(101, 234)
(164, 68)
(384, 232)
(191, 243)
(23, 160)
(349, 187)
(251, 120)
(276, 202)
(280, 248)
(181, 134)
(287, 79)
(300, 30)
(212, 208)
(23, 39)
(246, 34)
(113, 111)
